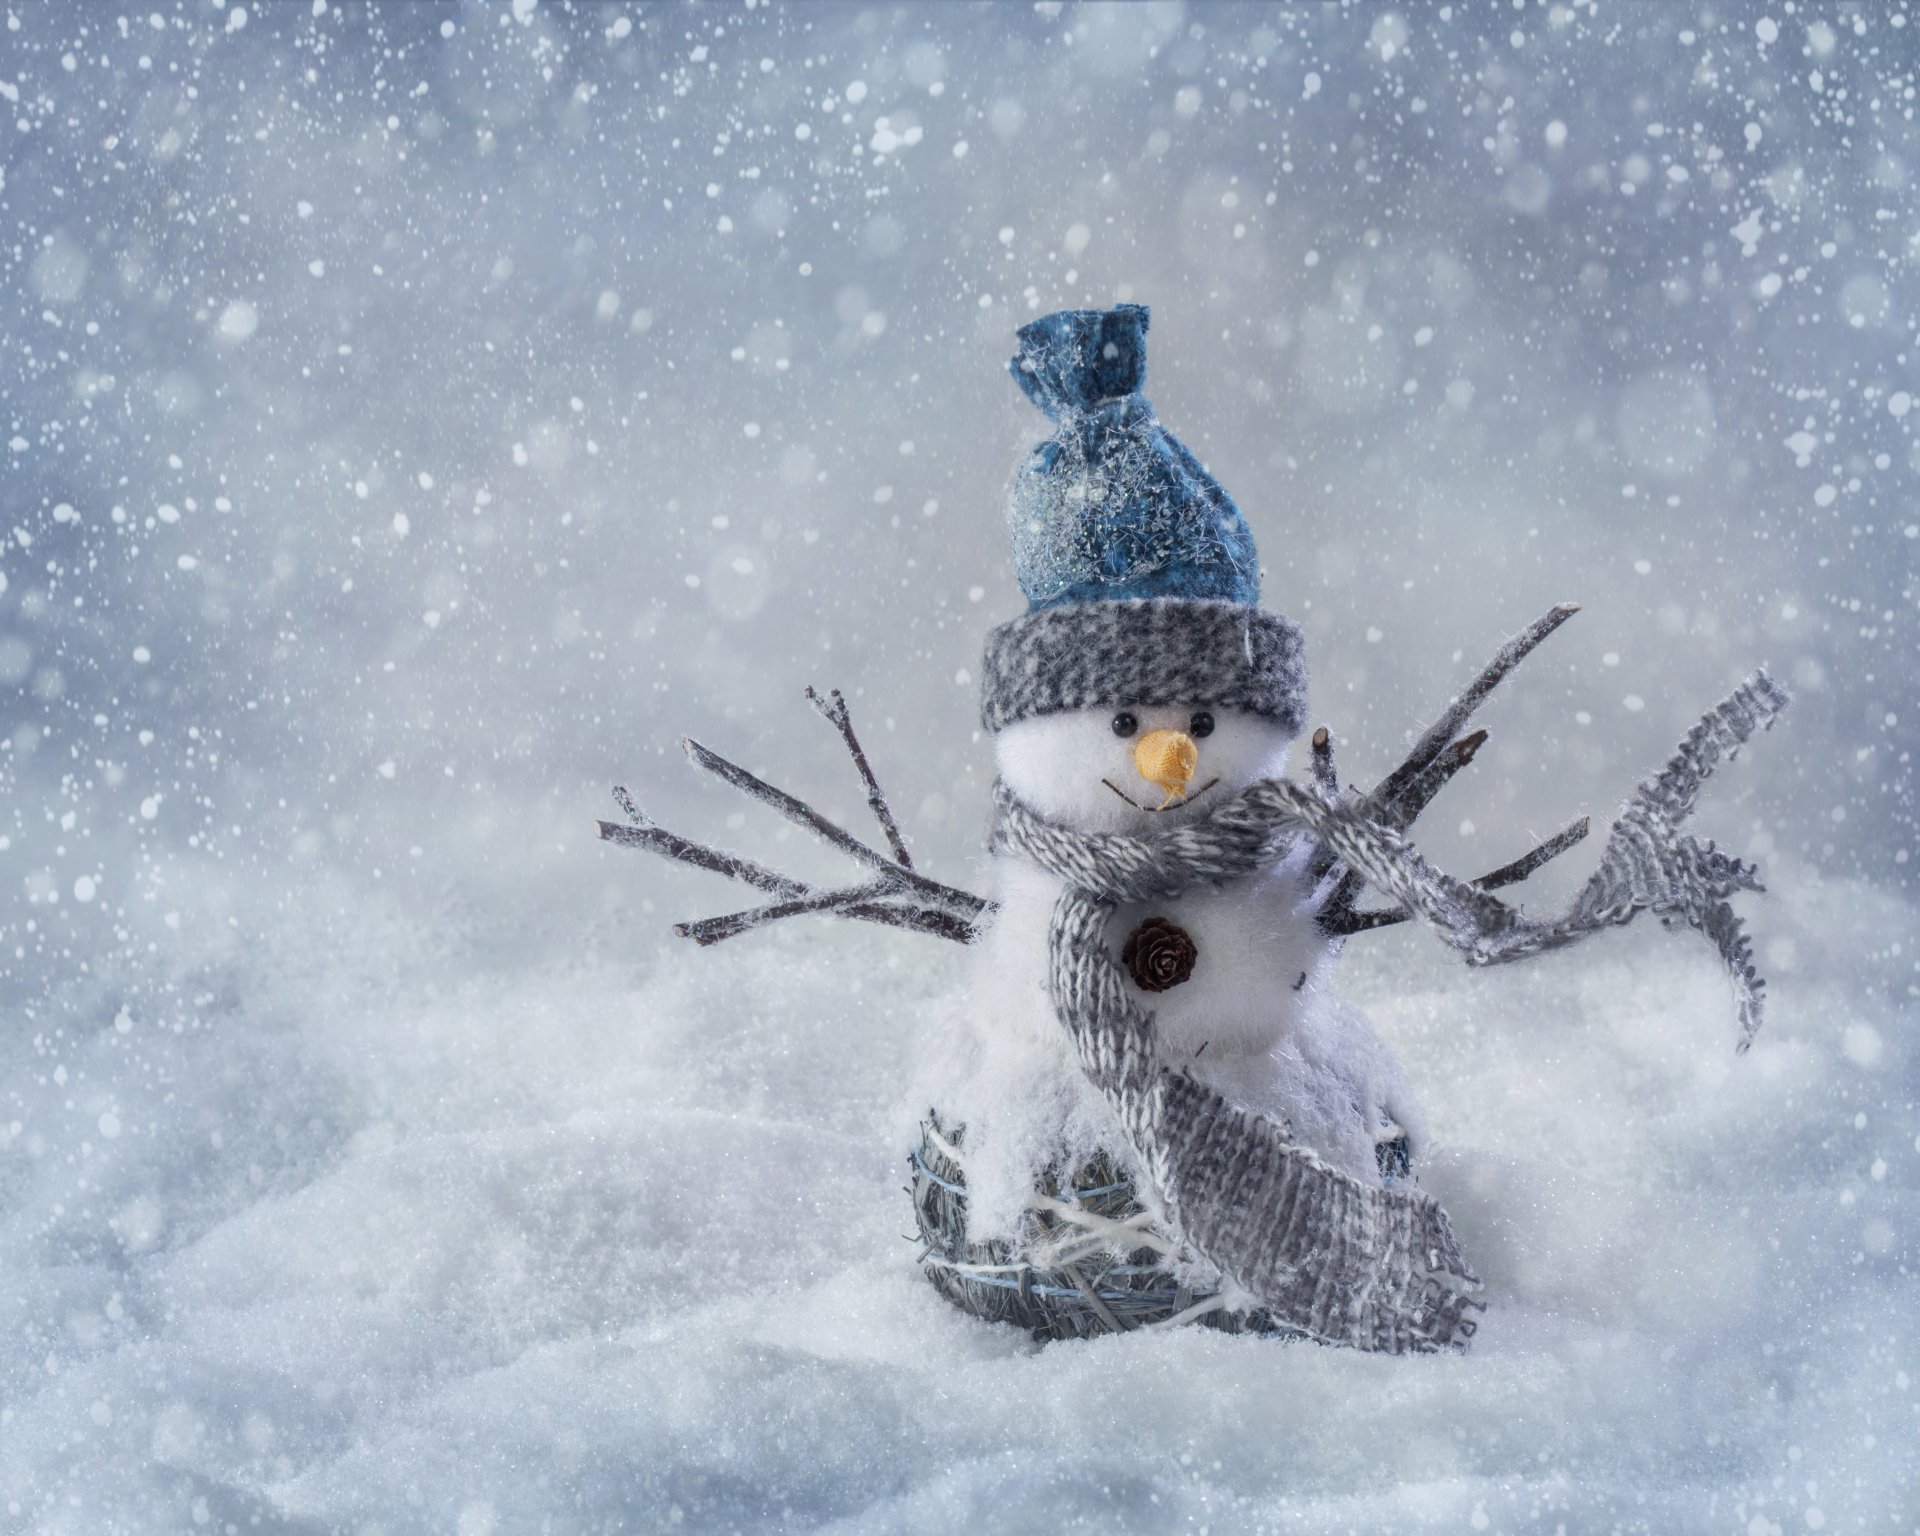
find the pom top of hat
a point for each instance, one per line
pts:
(1075, 358)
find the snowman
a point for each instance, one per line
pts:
(1152, 1106)
(1144, 687)
(1236, 975)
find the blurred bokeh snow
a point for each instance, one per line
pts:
(418, 417)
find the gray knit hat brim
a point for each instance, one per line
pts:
(1149, 651)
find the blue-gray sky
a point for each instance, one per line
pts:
(421, 415)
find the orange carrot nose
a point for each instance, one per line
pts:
(1167, 759)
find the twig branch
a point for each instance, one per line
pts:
(1421, 789)
(1350, 921)
(1338, 903)
(797, 896)
(1527, 863)
(834, 707)
(805, 815)
(942, 925)
(1323, 774)
(668, 845)
(711, 930)
(1442, 731)
(1345, 924)
(889, 898)
(1438, 755)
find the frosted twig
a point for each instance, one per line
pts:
(942, 925)
(1423, 786)
(834, 707)
(897, 896)
(805, 815)
(1442, 731)
(853, 901)
(1401, 813)
(1403, 794)
(1527, 863)
(1349, 920)
(668, 845)
(1323, 774)
(711, 930)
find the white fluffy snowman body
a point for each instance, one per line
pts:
(1255, 1020)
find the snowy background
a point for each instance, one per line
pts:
(417, 417)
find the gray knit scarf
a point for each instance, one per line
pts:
(1341, 1260)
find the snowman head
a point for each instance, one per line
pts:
(1136, 768)
(1144, 684)
(1136, 715)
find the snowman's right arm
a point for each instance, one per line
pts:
(894, 893)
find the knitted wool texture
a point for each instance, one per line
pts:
(1342, 1261)
(1145, 651)
(1112, 505)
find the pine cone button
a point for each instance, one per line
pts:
(1158, 955)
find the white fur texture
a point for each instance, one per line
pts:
(1072, 769)
(1256, 1020)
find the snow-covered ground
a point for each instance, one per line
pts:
(383, 1245)
(416, 418)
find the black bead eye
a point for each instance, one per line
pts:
(1200, 725)
(1124, 724)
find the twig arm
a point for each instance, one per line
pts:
(889, 897)
(1323, 774)
(1527, 863)
(1337, 905)
(1438, 755)
(1437, 736)
(711, 930)
(942, 925)
(834, 708)
(671, 846)
(800, 812)
(1419, 791)
(1349, 920)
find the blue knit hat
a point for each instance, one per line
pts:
(1113, 505)
(1139, 570)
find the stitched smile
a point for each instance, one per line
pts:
(1154, 810)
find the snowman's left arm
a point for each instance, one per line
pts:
(1351, 919)
(1441, 752)
(1648, 864)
